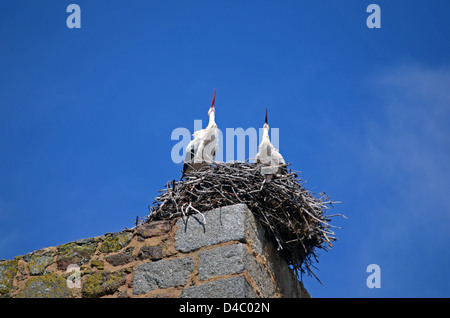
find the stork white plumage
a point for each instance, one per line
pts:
(268, 155)
(202, 149)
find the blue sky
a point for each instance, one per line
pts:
(86, 117)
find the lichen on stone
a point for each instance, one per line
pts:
(8, 270)
(38, 263)
(75, 253)
(102, 283)
(49, 285)
(96, 263)
(115, 242)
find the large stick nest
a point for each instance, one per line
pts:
(294, 218)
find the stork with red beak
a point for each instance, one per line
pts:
(202, 149)
(268, 155)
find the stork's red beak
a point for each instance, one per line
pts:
(266, 117)
(214, 99)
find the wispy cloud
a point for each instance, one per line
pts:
(407, 150)
(410, 147)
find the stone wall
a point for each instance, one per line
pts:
(222, 253)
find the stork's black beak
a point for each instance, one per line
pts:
(213, 99)
(266, 117)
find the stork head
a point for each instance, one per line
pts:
(212, 109)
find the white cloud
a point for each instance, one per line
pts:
(407, 152)
(410, 147)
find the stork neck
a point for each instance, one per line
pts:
(266, 131)
(211, 119)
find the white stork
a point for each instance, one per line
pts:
(202, 149)
(268, 155)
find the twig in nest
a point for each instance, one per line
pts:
(190, 206)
